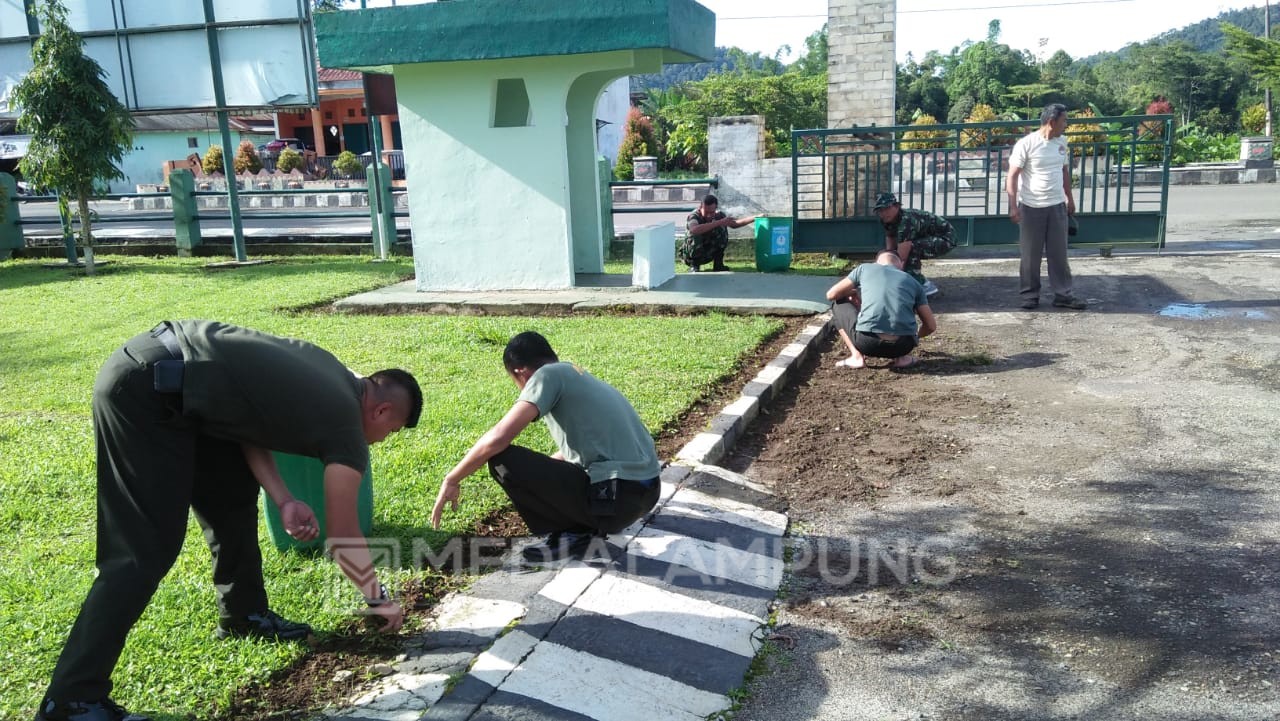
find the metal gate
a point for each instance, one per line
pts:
(1120, 178)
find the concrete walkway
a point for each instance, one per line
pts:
(661, 622)
(741, 293)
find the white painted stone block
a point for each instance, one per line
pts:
(654, 261)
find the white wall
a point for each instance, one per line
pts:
(750, 183)
(613, 106)
(505, 207)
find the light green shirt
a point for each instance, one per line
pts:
(594, 426)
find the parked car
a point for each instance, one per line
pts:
(279, 144)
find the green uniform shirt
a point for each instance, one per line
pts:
(912, 224)
(276, 393)
(594, 426)
(889, 299)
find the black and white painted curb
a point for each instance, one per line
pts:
(661, 622)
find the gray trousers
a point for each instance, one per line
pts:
(1043, 233)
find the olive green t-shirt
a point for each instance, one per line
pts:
(277, 393)
(594, 426)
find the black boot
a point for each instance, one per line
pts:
(103, 710)
(268, 624)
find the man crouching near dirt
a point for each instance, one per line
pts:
(875, 311)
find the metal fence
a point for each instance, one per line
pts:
(959, 171)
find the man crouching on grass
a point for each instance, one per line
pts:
(602, 479)
(875, 311)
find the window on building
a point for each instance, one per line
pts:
(511, 104)
(328, 115)
(351, 112)
(193, 142)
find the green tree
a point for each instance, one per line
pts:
(984, 70)
(816, 54)
(79, 130)
(786, 101)
(1029, 93)
(1057, 69)
(1193, 81)
(921, 86)
(1260, 55)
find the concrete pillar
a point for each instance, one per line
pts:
(388, 140)
(861, 85)
(317, 128)
(861, 71)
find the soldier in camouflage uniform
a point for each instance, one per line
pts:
(914, 235)
(708, 235)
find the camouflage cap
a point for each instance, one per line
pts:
(884, 200)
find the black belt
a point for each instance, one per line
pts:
(167, 338)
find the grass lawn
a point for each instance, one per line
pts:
(57, 328)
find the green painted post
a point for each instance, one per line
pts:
(186, 215)
(68, 235)
(382, 207)
(604, 173)
(10, 228)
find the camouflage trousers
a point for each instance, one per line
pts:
(934, 246)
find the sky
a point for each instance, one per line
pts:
(1080, 27)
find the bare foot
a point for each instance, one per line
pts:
(905, 361)
(851, 363)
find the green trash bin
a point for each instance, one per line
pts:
(773, 244)
(304, 477)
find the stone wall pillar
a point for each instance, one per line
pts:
(861, 85)
(862, 67)
(750, 183)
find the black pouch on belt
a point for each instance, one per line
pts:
(168, 376)
(602, 498)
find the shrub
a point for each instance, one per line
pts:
(1254, 119)
(1159, 106)
(637, 139)
(347, 163)
(924, 139)
(247, 160)
(1193, 144)
(212, 162)
(290, 160)
(1084, 137)
(978, 137)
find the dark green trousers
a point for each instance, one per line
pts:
(153, 466)
(551, 495)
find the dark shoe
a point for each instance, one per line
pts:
(719, 267)
(104, 710)
(695, 268)
(1068, 301)
(1031, 304)
(268, 625)
(558, 547)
